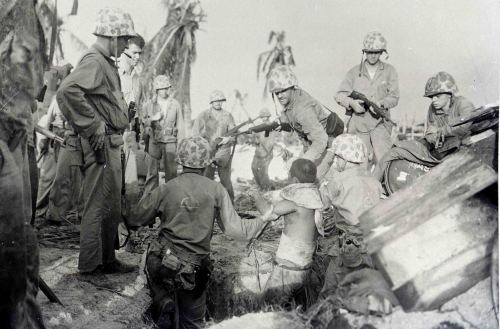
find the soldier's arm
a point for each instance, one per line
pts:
(86, 78)
(230, 222)
(147, 209)
(465, 107)
(316, 134)
(345, 89)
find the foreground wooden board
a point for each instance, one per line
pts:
(433, 239)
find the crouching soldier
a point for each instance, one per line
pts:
(300, 204)
(178, 264)
(350, 190)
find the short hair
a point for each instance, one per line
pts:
(304, 170)
(136, 40)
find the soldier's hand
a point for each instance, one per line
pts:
(43, 144)
(357, 105)
(97, 139)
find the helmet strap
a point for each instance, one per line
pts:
(361, 63)
(115, 45)
(386, 54)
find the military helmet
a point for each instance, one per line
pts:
(350, 148)
(281, 78)
(217, 95)
(193, 152)
(161, 82)
(265, 112)
(114, 22)
(440, 83)
(374, 41)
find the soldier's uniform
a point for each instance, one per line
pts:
(383, 88)
(212, 124)
(90, 96)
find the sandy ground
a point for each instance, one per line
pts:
(118, 301)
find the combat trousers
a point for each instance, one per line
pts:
(167, 153)
(102, 204)
(224, 176)
(260, 168)
(378, 141)
(46, 182)
(65, 193)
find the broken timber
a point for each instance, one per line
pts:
(433, 239)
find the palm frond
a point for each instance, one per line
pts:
(259, 61)
(272, 35)
(268, 65)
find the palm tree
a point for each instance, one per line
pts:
(173, 49)
(280, 54)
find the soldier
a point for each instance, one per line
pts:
(164, 124)
(314, 124)
(92, 101)
(212, 124)
(439, 139)
(378, 81)
(19, 252)
(178, 263)
(263, 154)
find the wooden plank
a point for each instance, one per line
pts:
(433, 288)
(456, 179)
(459, 228)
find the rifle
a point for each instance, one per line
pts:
(377, 110)
(479, 114)
(266, 127)
(50, 135)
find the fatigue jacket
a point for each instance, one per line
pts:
(351, 192)
(167, 124)
(439, 119)
(92, 93)
(383, 88)
(189, 205)
(308, 119)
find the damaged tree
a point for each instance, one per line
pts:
(172, 51)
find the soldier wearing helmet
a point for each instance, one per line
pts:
(446, 106)
(163, 122)
(212, 124)
(178, 263)
(348, 189)
(92, 101)
(315, 125)
(378, 81)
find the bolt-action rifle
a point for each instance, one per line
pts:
(378, 111)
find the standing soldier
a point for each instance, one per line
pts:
(314, 124)
(378, 81)
(263, 155)
(212, 124)
(92, 101)
(164, 124)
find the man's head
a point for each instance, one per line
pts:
(281, 83)
(133, 51)
(441, 87)
(193, 152)
(349, 150)
(374, 45)
(162, 86)
(216, 99)
(113, 29)
(302, 171)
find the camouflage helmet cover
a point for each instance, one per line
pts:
(265, 112)
(350, 147)
(374, 41)
(217, 95)
(440, 83)
(281, 78)
(193, 152)
(114, 22)
(161, 82)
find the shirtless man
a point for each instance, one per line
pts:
(300, 204)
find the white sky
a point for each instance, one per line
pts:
(424, 37)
